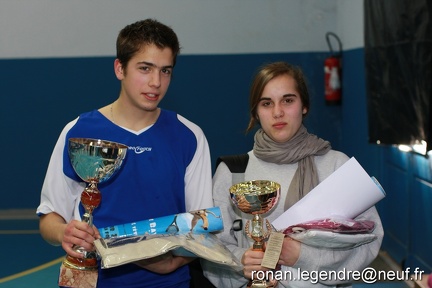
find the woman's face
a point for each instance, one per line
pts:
(280, 109)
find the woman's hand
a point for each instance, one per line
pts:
(290, 252)
(251, 261)
(164, 264)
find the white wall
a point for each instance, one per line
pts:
(62, 28)
(350, 23)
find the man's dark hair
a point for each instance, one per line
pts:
(145, 32)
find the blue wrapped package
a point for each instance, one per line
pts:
(197, 221)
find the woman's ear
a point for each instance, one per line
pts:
(257, 117)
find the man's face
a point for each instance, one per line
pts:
(147, 77)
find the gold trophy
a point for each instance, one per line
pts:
(95, 161)
(256, 197)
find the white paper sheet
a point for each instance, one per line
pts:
(346, 193)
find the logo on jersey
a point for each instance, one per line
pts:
(139, 149)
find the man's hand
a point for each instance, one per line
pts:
(56, 231)
(78, 233)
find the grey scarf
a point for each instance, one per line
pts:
(301, 148)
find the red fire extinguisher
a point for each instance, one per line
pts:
(333, 73)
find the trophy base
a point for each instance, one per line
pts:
(261, 284)
(86, 264)
(69, 277)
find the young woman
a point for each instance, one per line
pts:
(284, 152)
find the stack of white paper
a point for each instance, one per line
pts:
(346, 193)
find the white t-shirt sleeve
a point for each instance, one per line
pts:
(60, 194)
(198, 178)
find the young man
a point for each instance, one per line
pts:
(167, 169)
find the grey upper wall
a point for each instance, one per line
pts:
(80, 28)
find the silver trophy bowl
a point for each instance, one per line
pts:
(95, 160)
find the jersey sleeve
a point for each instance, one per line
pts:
(60, 194)
(198, 177)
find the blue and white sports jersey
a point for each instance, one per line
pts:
(167, 170)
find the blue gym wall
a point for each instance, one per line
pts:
(210, 90)
(48, 78)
